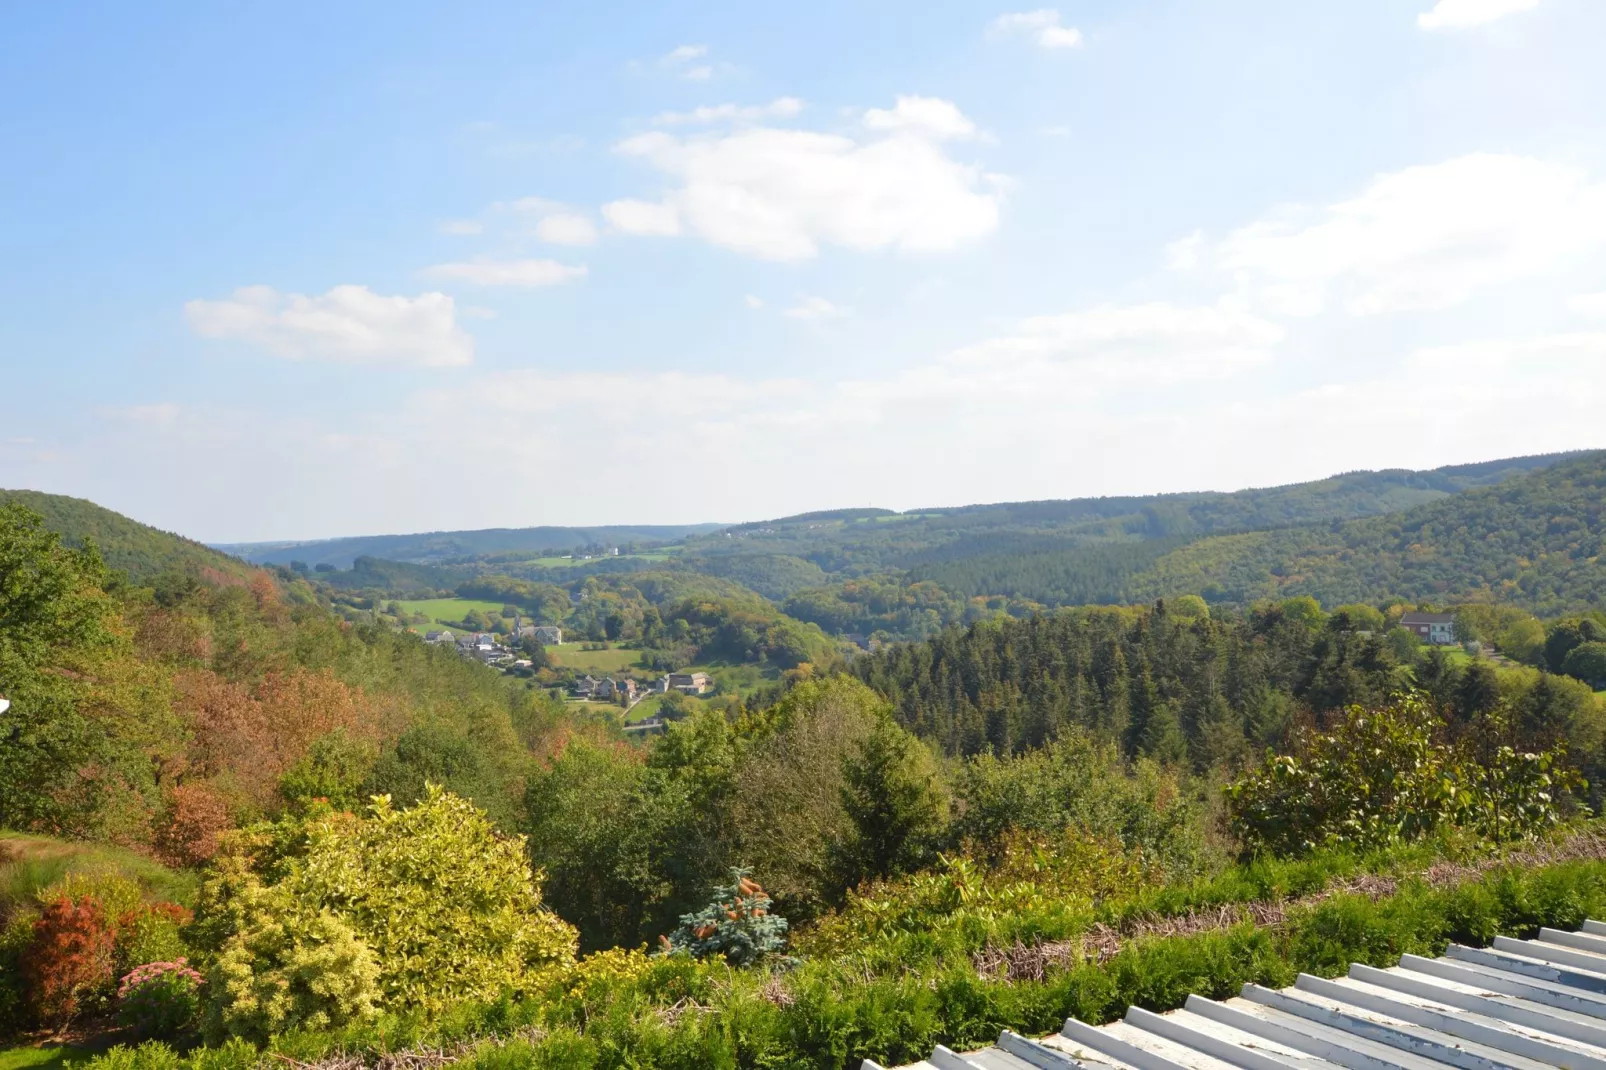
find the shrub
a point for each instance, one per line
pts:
(326, 917)
(15, 936)
(290, 967)
(150, 934)
(196, 815)
(68, 963)
(159, 1000)
(1382, 777)
(736, 925)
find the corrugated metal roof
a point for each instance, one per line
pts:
(1518, 1005)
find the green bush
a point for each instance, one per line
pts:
(160, 1000)
(291, 966)
(673, 1013)
(319, 920)
(1383, 776)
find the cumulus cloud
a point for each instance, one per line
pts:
(349, 324)
(779, 108)
(566, 228)
(522, 273)
(1042, 26)
(1419, 239)
(928, 116)
(684, 54)
(752, 301)
(781, 194)
(1465, 14)
(815, 308)
(642, 217)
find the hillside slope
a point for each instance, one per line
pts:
(1535, 541)
(437, 546)
(862, 541)
(137, 549)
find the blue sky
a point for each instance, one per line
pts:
(296, 270)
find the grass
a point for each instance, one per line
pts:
(30, 863)
(613, 659)
(449, 611)
(55, 1057)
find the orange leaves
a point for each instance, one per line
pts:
(251, 736)
(196, 815)
(70, 959)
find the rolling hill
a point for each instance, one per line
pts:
(1537, 541)
(140, 551)
(444, 546)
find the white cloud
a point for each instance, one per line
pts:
(921, 115)
(642, 217)
(780, 108)
(684, 54)
(1423, 238)
(349, 324)
(1465, 14)
(525, 273)
(1042, 25)
(1155, 342)
(781, 194)
(699, 74)
(753, 302)
(815, 308)
(461, 226)
(566, 228)
(1592, 304)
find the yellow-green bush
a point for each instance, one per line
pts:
(418, 908)
(291, 966)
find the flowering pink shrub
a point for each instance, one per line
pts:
(160, 999)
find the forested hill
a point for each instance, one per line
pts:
(437, 546)
(864, 541)
(139, 550)
(1535, 541)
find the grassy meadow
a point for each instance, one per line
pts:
(449, 611)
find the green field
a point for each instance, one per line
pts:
(49, 1058)
(569, 562)
(614, 659)
(448, 611)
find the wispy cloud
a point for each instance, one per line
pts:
(349, 324)
(815, 308)
(1042, 26)
(1466, 14)
(520, 273)
(780, 108)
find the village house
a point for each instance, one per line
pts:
(585, 687)
(440, 637)
(548, 635)
(688, 683)
(1435, 628)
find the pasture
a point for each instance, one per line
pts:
(448, 611)
(613, 659)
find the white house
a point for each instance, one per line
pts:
(1435, 628)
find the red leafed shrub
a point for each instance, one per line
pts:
(69, 964)
(196, 814)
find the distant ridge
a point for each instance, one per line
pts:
(437, 546)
